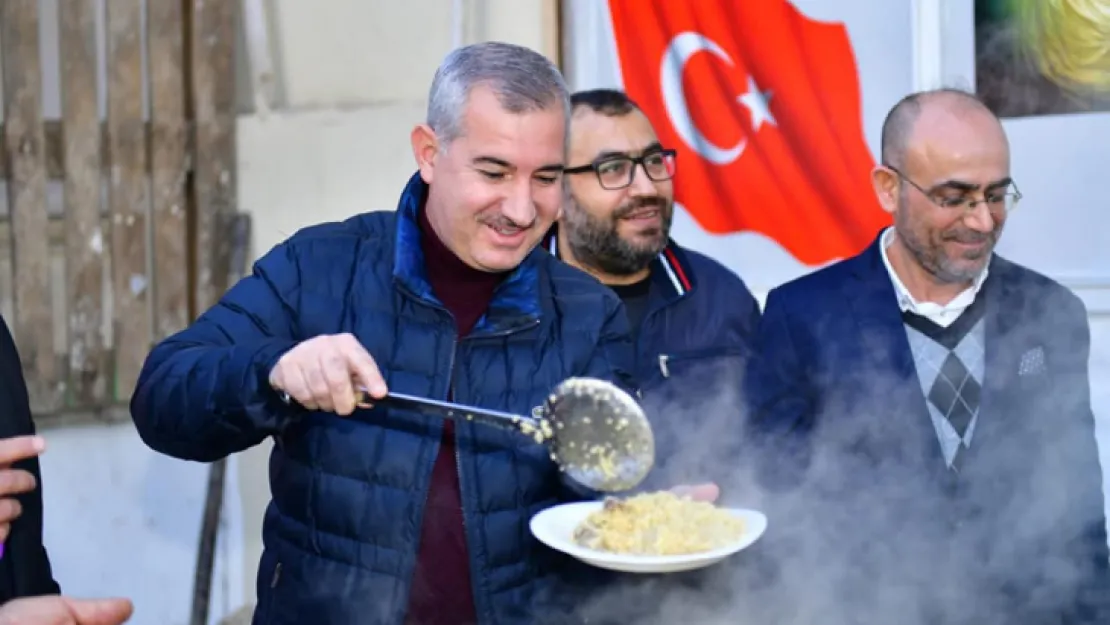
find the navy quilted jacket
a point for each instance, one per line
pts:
(692, 348)
(348, 494)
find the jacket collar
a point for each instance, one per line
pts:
(671, 273)
(515, 302)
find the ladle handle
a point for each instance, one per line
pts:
(448, 410)
(444, 410)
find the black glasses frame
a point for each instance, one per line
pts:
(636, 162)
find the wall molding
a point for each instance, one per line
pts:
(928, 44)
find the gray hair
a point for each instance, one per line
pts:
(522, 79)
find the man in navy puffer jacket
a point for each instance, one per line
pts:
(691, 317)
(380, 515)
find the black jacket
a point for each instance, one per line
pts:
(24, 568)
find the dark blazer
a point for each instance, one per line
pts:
(866, 518)
(25, 568)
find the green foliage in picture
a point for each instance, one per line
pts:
(1043, 57)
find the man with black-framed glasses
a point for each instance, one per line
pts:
(927, 403)
(691, 317)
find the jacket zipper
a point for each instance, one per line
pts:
(458, 456)
(636, 349)
(276, 576)
(428, 490)
(663, 358)
(458, 453)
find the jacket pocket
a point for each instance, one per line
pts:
(678, 363)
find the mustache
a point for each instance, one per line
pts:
(970, 237)
(502, 222)
(639, 204)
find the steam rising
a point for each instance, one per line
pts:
(865, 537)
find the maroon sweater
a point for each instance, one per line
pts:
(441, 588)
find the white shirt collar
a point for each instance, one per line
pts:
(941, 314)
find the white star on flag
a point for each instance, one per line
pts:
(758, 103)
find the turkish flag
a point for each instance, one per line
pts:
(763, 105)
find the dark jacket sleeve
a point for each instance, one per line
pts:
(779, 408)
(1079, 449)
(204, 393)
(25, 561)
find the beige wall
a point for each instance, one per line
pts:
(352, 78)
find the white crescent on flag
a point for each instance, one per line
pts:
(682, 47)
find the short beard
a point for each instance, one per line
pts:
(597, 244)
(933, 259)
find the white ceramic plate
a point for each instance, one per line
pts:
(555, 526)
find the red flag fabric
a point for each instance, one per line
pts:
(763, 105)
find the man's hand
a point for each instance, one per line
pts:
(321, 373)
(58, 610)
(708, 492)
(15, 481)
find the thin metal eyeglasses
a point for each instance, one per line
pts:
(617, 172)
(1001, 199)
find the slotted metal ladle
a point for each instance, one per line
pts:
(596, 432)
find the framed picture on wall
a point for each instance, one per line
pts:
(1042, 58)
